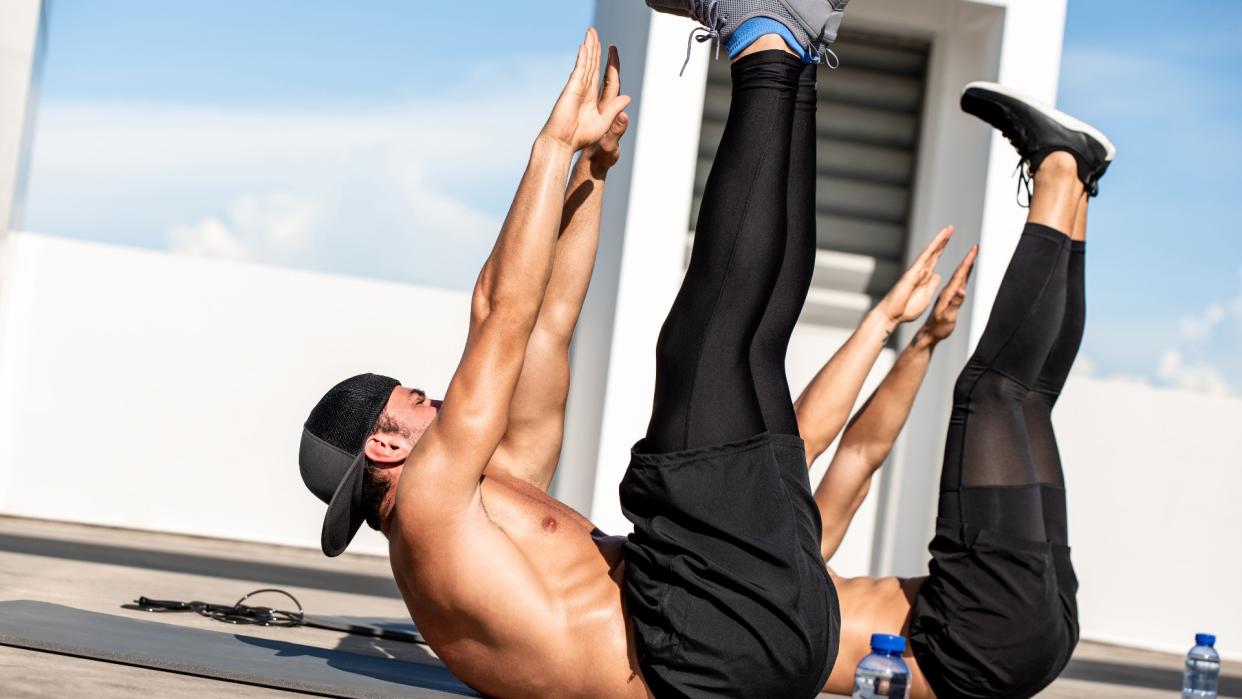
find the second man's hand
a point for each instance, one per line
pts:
(942, 321)
(913, 292)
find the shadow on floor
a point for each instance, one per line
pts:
(208, 566)
(420, 675)
(1146, 677)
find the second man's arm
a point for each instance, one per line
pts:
(870, 436)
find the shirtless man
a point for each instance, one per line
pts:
(721, 591)
(997, 616)
(518, 594)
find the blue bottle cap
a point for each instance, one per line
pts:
(1201, 639)
(888, 643)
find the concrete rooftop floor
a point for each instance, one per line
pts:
(99, 569)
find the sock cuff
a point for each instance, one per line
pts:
(755, 27)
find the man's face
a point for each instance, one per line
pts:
(406, 417)
(412, 410)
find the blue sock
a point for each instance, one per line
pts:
(755, 27)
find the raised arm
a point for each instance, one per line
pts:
(825, 404)
(443, 471)
(531, 446)
(869, 439)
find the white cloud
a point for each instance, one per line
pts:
(1199, 327)
(267, 228)
(1085, 366)
(412, 192)
(283, 222)
(209, 238)
(1205, 357)
(1195, 375)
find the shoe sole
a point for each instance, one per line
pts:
(1051, 112)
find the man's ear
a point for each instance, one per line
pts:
(388, 448)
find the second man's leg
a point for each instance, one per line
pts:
(1047, 389)
(989, 478)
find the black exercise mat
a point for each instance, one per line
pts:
(394, 629)
(225, 656)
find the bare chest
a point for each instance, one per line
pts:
(548, 598)
(555, 537)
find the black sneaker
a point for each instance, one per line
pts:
(1037, 130)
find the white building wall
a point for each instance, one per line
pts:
(21, 52)
(165, 392)
(1153, 478)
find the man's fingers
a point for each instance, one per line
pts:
(584, 76)
(937, 244)
(940, 243)
(961, 276)
(963, 268)
(611, 109)
(593, 39)
(612, 75)
(926, 261)
(620, 124)
(575, 76)
(969, 262)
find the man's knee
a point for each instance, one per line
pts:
(986, 390)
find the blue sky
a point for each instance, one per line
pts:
(1165, 262)
(384, 139)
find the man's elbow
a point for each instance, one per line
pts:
(866, 454)
(515, 314)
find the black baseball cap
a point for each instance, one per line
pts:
(331, 455)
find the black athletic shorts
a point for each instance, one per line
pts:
(997, 617)
(724, 580)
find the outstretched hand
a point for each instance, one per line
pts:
(583, 115)
(943, 319)
(912, 294)
(605, 152)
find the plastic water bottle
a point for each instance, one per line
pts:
(883, 673)
(1202, 669)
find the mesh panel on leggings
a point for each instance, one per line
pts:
(994, 452)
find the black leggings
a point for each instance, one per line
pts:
(720, 360)
(1002, 469)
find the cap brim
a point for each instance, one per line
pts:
(344, 516)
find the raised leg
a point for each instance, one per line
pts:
(705, 389)
(990, 478)
(767, 354)
(1047, 389)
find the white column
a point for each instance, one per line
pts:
(1030, 61)
(642, 250)
(950, 188)
(21, 51)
